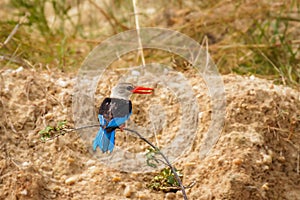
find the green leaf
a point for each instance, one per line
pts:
(48, 129)
(61, 124)
(171, 180)
(151, 164)
(42, 132)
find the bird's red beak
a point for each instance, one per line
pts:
(142, 90)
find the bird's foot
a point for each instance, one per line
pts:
(121, 127)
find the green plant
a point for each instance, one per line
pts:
(36, 15)
(52, 132)
(247, 37)
(42, 38)
(165, 181)
(274, 52)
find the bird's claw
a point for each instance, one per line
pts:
(121, 127)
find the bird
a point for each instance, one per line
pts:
(114, 111)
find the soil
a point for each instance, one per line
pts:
(256, 156)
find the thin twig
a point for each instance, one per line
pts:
(70, 130)
(154, 131)
(14, 60)
(298, 162)
(190, 185)
(162, 161)
(14, 31)
(3, 149)
(137, 25)
(164, 157)
(109, 18)
(232, 46)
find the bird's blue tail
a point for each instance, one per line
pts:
(105, 141)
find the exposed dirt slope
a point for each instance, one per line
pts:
(256, 157)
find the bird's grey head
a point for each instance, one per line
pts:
(122, 91)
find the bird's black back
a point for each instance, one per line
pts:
(113, 107)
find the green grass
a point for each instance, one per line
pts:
(37, 42)
(259, 38)
(274, 51)
(255, 37)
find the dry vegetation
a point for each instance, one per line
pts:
(246, 37)
(257, 155)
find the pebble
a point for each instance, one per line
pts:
(135, 73)
(179, 194)
(138, 185)
(71, 180)
(265, 186)
(170, 196)
(19, 69)
(116, 179)
(24, 192)
(142, 195)
(281, 159)
(265, 167)
(128, 191)
(237, 161)
(62, 83)
(267, 159)
(25, 164)
(94, 170)
(200, 115)
(90, 163)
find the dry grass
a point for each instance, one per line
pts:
(245, 37)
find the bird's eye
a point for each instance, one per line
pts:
(130, 88)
